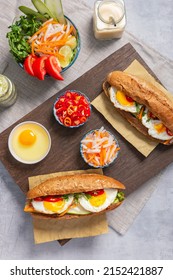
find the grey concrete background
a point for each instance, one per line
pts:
(151, 235)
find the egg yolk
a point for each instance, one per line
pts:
(97, 200)
(27, 137)
(160, 127)
(54, 206)
(121, 98)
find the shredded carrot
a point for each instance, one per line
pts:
(167, 142)
(99, 148)
(50, 37)
(141, 113)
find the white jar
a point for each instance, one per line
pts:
(109, 19)
(8, 92)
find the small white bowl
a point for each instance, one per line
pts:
(40, 132)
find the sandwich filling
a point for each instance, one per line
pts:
(155, 127)
(79, 203)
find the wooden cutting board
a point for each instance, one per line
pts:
(131, 168)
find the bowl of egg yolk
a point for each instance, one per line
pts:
(29, 142)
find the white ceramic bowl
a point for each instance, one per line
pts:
(32, 153)
(113, 157)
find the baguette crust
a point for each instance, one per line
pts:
(145, 94)
(77, 183)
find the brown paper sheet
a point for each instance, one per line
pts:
(50, 230)
(104, 106)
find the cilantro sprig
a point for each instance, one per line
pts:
(18, 36)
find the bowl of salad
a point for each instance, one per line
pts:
(44, 42)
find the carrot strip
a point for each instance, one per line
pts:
(141, 113)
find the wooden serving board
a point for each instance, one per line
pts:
(131, 168)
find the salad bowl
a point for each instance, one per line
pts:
(42, 44)
(76, 50)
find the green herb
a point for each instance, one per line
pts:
(19, 34)
(76, 197)
(88, 196)
(144, 113)
(119, 197)
(66, 197)
(138, 107)
(148, 120)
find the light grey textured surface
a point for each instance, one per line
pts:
(151, 235)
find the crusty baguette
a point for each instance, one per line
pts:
(69, 184)
(72, 216)
(144, 93)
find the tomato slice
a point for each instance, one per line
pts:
(39, 67)
(95, 193)
(152, 116)
(29, 60)
(169, 132)
(129, 98)
(53, 67)
(54, 198)
(38, 198)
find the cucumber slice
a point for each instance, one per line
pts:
(41, 8)
(29, 12)
(55, 6)
(78, 210)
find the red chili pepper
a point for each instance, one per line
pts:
(96, 193)
(67, 121)
(82, 119)
(39, 67)
(71, 109)
(68, 94)
(28, 64)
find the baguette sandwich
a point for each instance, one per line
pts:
(74, 196)
(142, 104)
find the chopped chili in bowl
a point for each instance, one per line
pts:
(72, 109)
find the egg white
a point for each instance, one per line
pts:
(131, 109)
(149, 123)
(110, 197)
(39, 206)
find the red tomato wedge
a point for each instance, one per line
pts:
(95, 193)
(28, 64)
(39, 67)
(53, 67)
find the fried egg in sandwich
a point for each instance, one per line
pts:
(122, 101)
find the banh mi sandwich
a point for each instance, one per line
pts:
(73, 196)
(142, 104)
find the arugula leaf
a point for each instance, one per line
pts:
(18, 36)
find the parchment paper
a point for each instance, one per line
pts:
(105, 107)
(49, 230)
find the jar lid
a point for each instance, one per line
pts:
(4, 85)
